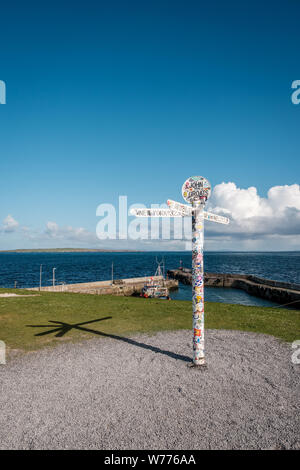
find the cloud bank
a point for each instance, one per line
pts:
(256, 223)
(253, 216)
(68, 233)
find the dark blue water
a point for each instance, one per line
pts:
(24, 268)
(222, 294)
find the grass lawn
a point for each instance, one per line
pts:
(109, 315)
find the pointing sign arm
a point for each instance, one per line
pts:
(178, 212)
(186, 210)
(155, 213)
(216, 218)
(183, 209)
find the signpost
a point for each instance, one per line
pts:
(196, 190)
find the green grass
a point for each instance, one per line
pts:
(129, 315)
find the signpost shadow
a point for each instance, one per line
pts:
(62, 328)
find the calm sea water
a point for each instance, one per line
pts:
(24, 268)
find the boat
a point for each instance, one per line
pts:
(156, 288)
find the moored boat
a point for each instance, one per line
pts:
(156, 288)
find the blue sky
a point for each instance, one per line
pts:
(131, 98)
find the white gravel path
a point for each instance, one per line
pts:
(114, 394)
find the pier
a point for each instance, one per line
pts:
(126, 287)
(278, 292)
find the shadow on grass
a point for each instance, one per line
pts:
(62, 328)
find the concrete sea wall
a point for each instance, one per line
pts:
(275, 291)
(127, 287)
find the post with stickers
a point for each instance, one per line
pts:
(196, 190)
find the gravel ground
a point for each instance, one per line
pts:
(139, 394)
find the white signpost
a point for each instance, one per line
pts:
(196, 190)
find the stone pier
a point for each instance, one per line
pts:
(278, 292)
(127, 287)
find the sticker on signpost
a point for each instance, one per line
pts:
(196, 189)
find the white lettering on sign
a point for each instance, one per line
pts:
(182, 208)
(216, 218)
(155, 213)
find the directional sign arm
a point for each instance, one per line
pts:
(177, 210)
(155, 213)
(216, 218)
(183, 209)
(186, 210)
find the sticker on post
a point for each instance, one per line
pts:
(196, 189)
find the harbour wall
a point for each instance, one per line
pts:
(275, 291)
(126, 287)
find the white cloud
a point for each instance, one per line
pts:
(240, 203)
(263, 223)
(282, 197)
(52, 229)
(253, 216)
(9, 224)
(69, 233)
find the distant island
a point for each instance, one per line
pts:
(67, 250)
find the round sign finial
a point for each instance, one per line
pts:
(196, 189)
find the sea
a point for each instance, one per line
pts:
(23, 269)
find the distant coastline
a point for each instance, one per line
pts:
(98, 250)
(67, 250)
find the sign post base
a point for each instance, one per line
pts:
(202, 366)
